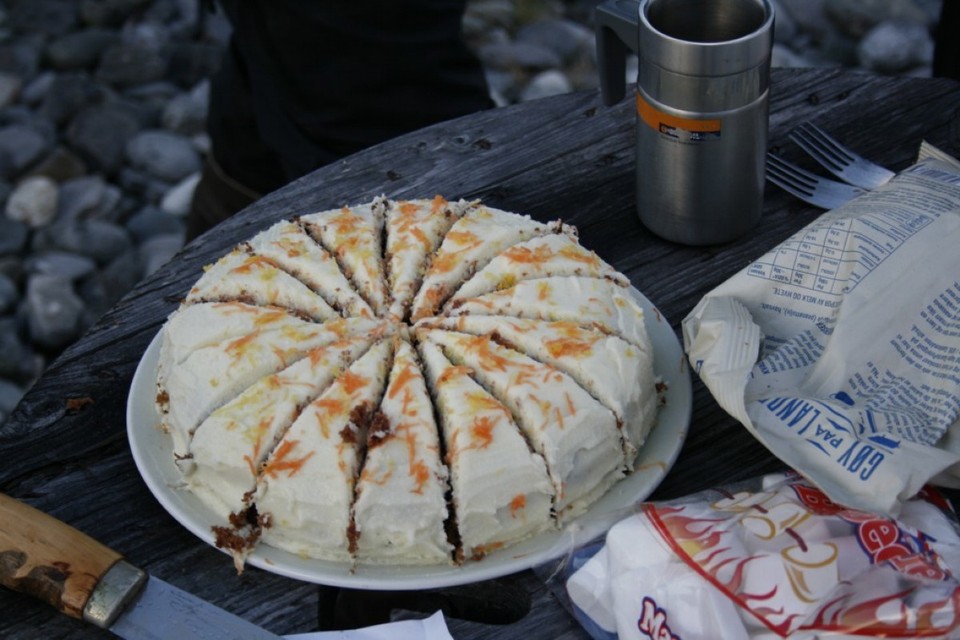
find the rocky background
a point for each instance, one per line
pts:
(102, 106)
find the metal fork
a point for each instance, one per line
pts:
(809, 187)
(837, 159)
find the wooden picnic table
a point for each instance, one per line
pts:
(65, 451)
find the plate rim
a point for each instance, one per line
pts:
(657, 456)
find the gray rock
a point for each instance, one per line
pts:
(566, 38)
(119, 276)
(112, 13)
(518, 55)
(857, 17)
(186, 113)
(33, 201)
(191, 62)
(71, 266)
(153, 221)
(36, 90)
(22, 55)
(22, 145)
(103, 241)
(163, 154)
(10, 86)
(785, 29)
(100, 134)
(895, 46)
(157, 251)
(9, 295)
(783, 56)
(131, 62)
(13, 236)
(60, 165)
(178, 199)
(80, 49)
(808, 15)
(47, 17)
(53, 311)
(17, 362)
(547, 83)
(88, 198)
(68, 94)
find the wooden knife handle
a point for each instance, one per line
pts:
(48, 559)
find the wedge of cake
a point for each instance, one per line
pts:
(415, 229)
(557, 254)
(354, 236)
(615, 372)
(211, 376)
(194, 326)
(290, 247)
(481, 234)
(306, 486)
(591, 302)
(501, 490)
(576, 435)
(400, 508)
(242, 276)
(229, 447)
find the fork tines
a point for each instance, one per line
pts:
(839, 160)
(809, 187)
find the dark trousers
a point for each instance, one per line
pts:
(305, 82)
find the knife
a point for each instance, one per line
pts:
(47, 559)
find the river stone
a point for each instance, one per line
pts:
(163, 154)
(131, 62)
(546, 83)
(64, 264)
(566, 38)
(13, 236)
(153, 221)
(895, 46)
(68, 94)
(101, 240)
(10, 86)
(10, 395)
(81, 49)
(53, 311)
(34, 201)
(22, 145)
(100, 134)
(46, 17)
(157, 251)
(9, 295)
(60, 165)
(17, 362)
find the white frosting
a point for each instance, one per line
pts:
(295, 251)
(211, 376)
(414, 231)
(242, 276)
(353, 236)
(400, 506)
(556, 254)
(470, 244)
(617, 373)
(576, 435)
(229, 447)
(306, 487)
(587, 301)
(501, 489)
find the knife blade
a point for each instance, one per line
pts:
(45, 558)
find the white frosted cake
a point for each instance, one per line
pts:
(404, 382)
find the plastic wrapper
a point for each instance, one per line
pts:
(773, 558)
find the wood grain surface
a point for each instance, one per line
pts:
(64, 449)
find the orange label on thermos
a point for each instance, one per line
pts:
(685, 129)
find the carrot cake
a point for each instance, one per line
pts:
(406, 382)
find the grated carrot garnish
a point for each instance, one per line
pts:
(481, 432)
(406, 375)
(280, 462)
(526, 255)
(578, 254)
(421, 475)
(353, 382)
(560, 347)
(519, 502)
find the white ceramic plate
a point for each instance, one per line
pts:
(153, 456)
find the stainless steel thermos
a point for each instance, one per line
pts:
(702, 105)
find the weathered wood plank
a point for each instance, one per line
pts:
(64, 448)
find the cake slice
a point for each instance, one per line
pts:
(615, 372)
(501, 490)
(194, 326)
(471, 243)
(414, 231)
(305, 489)
(288, 245)
(212, 376)
(228, 448)
(400, 506)
(576, 435)
(354, 236)
(245, 277)
(556, 254)
(590, 302)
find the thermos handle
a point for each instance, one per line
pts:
(617, 25)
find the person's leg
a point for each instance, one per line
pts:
(306, 83)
